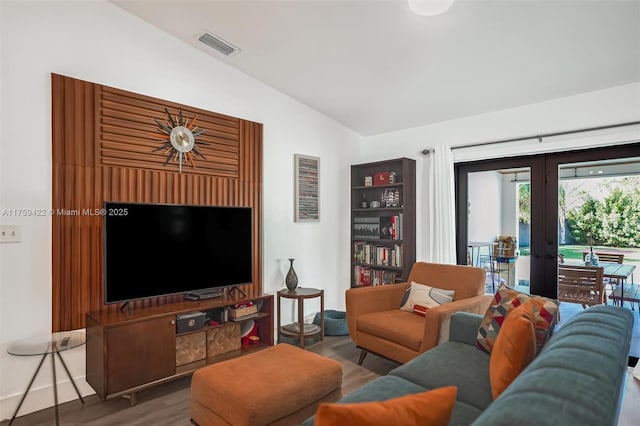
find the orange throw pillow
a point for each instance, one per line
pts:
(514, 349)
(432, 408)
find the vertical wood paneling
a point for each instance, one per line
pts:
(91, 165)
(73, 189)
(89, 128)
(56, 243)
(250, 188)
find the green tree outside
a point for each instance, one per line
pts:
(613, 222)
(524, 203)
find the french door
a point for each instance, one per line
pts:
(540, 172)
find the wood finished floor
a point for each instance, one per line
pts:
(168, 404)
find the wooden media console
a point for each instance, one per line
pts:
(133, 350)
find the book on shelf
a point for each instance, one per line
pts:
(391, 227)
(366, 219)
(366, 276)
(366, 227)
(383, 227)
(396, 227)
(372, 254)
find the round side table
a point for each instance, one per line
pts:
(44, 346)
(299, 329)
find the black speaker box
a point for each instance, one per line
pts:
(189, 322)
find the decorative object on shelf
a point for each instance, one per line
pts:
(381, 178)
(248, 329)
(591, 259)
(181, 134)
(307, 328)
(307, 188)
(243, 310)
(505, 247)
(392, 177)
(368, 181)
(390, 198)
(364, 201)
(292, 279)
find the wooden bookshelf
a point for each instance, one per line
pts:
(383, 240)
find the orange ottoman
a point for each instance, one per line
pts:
(264, 387)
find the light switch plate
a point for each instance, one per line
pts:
(10, 234)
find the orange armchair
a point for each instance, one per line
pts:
(376, 323)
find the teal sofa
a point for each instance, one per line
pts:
(577, 379)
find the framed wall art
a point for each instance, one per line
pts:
(307, 188)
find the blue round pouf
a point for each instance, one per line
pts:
(335, 323)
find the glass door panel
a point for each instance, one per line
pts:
(598, 208)
(499, 226)
(548, 198)
(598, 211)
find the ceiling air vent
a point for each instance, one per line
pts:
(218, 44)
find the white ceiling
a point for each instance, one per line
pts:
(377, 67)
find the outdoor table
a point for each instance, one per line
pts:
(618, 271)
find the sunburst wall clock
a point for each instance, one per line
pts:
(181, 140)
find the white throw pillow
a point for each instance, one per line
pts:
(427, 296)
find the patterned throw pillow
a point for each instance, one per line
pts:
(545, 312)
(426, 296)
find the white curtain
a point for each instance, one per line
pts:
(441, 228)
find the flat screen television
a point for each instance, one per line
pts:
(157, 249)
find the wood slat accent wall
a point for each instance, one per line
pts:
(102, 140)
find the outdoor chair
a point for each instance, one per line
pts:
(606, 256)
(609, 283)
(581, 284)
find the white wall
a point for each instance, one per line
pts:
(99, 42)
(615, 105)
(510, 211)
(484, 206)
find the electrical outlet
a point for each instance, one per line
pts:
(10, 234)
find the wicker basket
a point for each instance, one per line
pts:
(190, 348)
(235, 313)
(223, 339)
